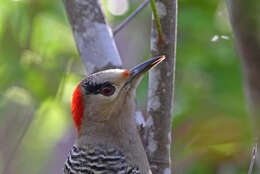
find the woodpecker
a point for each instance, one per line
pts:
(103, 110)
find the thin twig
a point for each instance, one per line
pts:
(157, 21)
(130, 17)
(254, 151)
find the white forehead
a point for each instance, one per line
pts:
(111, 75)
(112, 71)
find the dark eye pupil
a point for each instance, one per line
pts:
(108, 90)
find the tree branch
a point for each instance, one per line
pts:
(92, 34)
(246, 27)
(161, 84)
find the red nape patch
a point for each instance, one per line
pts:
(77, 107)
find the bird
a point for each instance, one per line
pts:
(103, 110)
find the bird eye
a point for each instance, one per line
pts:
(107, 90)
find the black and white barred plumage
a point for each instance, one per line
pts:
(97, 160)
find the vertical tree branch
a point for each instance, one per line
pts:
(93, 36)
(161, 84)
(245, 20)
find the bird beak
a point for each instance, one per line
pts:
(139, 70)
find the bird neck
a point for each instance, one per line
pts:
(119, 132)
(119, 128)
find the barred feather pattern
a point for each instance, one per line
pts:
(97, 160)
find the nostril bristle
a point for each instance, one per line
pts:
(126, 73)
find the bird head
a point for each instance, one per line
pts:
(100, 95)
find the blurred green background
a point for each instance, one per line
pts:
(40, 66)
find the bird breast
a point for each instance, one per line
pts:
(97, 160)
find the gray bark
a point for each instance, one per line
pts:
(93, 36)
(245, 20)
(161, 87)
